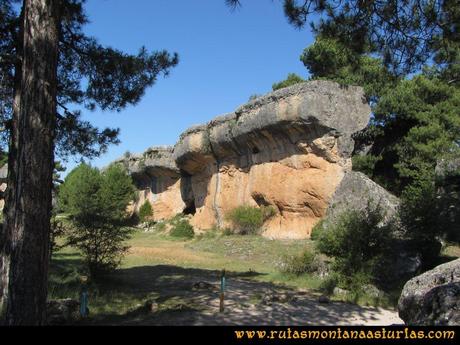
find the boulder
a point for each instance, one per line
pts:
(271, 297)
(62, 311)
(323, 299)
(355, 192)
(432, 298)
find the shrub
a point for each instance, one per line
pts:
(145, 211)
(359, 242)
(182, 229)
(227, 232)
(299, 264)
(291, 79)
(328, 285)
(317, 230)
(249, 219)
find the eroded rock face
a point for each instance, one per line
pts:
(432, 298)
(355, 192)
(158, 180)
(289, 149)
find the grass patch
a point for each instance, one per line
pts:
(161, 268)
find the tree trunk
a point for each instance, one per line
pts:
(25, 244)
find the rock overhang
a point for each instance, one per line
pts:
(289, 149)
(303, 112)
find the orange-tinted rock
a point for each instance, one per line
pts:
(289, 149)
(158, 180)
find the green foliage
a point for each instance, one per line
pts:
(96, 204)
(329, 283)
(421, 129)
(317, 230)
(160, 226)
(79, 195)
(365, 163)
(227, 232)
(405, 34)
(419, 216)
(448, 198)
(299, 264)
(3, 158)
(359, 242)
(291, 79)
(117, 191)
(406, 137)
(329, 59)
(89, 75)
(57, 230)
(145, 211)
(182, 229)
(209, 234)
(248, 219)
(415, 123)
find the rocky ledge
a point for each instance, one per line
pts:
(289, 149)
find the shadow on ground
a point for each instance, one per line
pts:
(179, 300)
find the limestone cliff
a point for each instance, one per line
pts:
(158, 180)
(289, 149)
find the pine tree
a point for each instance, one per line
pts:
(47, 63)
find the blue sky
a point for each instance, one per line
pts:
(225, 57)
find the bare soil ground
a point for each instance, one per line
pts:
(182, 301)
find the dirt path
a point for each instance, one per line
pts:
(248, 302)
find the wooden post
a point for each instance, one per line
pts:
(222, 291)
(84, 298)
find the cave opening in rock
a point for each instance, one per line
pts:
(255, 150)
(190, 208)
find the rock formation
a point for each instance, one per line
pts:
(355, 191)
(289, 149)
(433, 298)
(158, 180)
